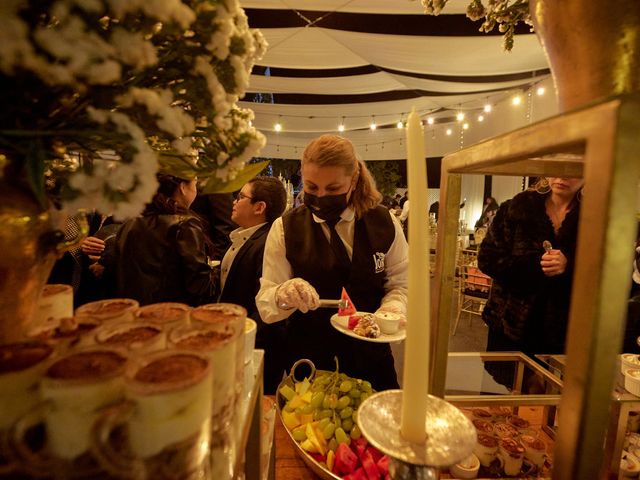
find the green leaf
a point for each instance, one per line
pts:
(215, 185)
(34, 171)
(177, 166)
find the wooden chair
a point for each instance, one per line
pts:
(473, 293)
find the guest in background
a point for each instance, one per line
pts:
(435, 208)
(404, 198)
(215, 210)
(529, 303)
(489, 210)
(257, 205)
(162, 256)
(340, 237)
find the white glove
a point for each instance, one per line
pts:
(297, 293)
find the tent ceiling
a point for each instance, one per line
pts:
(330, 60)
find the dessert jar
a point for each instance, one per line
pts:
(115, 309)
(135, 337)
(21, 367)
(166, 416)
(56, 301)
(166, 315)
(74, 389)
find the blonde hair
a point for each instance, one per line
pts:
(336, 151)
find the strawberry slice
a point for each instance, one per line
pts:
(353, 321)
(350, 309)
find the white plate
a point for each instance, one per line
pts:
(340, 323)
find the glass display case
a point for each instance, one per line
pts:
(599, 143)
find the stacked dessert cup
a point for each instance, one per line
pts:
(122, 391)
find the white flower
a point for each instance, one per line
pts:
(133, 49)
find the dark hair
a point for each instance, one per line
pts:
(270, 191)
(162, 202)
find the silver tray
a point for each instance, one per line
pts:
(315, 466)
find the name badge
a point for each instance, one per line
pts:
(378, 261)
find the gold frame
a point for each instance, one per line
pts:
(600, 143)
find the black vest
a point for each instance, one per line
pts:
(311, 335)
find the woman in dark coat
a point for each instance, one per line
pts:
(529, 303)
(162, 256)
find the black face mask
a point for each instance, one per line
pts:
(328, 207)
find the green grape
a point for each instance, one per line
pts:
(338, 422)
(299, 433)
(366, 387)
(307, 409)
(324, 422)
(342, 437)
(354, 416)
(355, 393)
(346, 412)
(346, 385)
(328, 430)
(364, 396)
(343, 402)
(347, 425)
(330, 401)
(344, 376)
(355, 432)
(333, 444)
(327, 413)
(316, 400)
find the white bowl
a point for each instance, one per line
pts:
(629, 360)
(250, 329)
(632, 381)
(389, 322)
(468, 468)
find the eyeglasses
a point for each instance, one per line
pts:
(241, 195)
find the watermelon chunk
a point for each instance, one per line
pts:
(350, 309)
(346, 461)
(383, 465)
(359, 446)
(375, 453)
(353, 321)
(359, 474)
(369, 466)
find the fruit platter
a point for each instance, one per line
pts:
(319, 413)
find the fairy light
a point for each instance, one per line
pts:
(449, 132)
(278, 126)
(465, 126)
(430, 120)
(341, 127)
(399, 124)
(373, 125)
(540, 91)
(460, 116)
(516, 100)
(487, 108)
(481, 118)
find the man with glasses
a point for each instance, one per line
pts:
(257, 205)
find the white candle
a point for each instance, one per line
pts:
(416, 353)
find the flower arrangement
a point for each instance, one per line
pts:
(98, 95)
(504, 13)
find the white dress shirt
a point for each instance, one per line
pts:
(276, 269)
(405, 211)
(238, 237)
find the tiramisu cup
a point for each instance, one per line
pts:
(511, 456)
(113, 310)
(167, 315)
(167, 418)
(76, 387)
(535, 450)
(135, 337)
(56, 301)
(486, 448)
(66, 333)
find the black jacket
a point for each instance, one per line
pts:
(528, 309)
(241, 287)
(162, 258)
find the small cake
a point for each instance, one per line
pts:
(367, 327)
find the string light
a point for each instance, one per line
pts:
(481, 118)
(460, 116)
(373, 125)
(430, 120)
(465, 126)
(399, 124)
(487, 108)
(449, 132)
(516, 100)
(278, 126)
(341, 126)
(540, 91)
